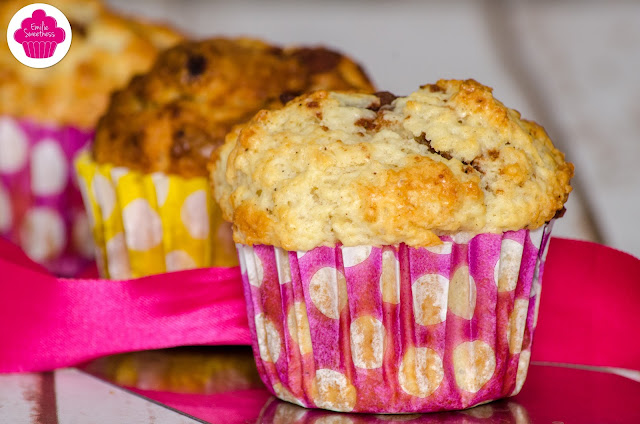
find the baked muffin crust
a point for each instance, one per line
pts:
(171, 118)
(106, 50)
(335, 167)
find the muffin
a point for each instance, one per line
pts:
(48, 115)
(145, 180)
(193, 369)
(391, 248)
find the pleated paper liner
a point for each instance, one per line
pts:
(395, 329)
(147, 224)
(40, 204)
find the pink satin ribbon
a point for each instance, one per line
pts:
(588, 314)
(48, 322)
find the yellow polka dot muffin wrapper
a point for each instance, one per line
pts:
(395, 329)
(146, 224)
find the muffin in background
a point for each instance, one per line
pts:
(190, 369)
(396, 240)
(47, 115)
(145, 180)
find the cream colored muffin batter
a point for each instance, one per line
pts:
(363, 169)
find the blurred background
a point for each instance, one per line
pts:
(572, 66)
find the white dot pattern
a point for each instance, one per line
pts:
(285, 394)
(353, 256)
(117, 173)
(474, 364)
(241, 257)
(284, 270)
(178, 260)
(508, 267)
(421, 371)
(462, 293)
(161, 185)
(517, 321)
(268, 339)
(6, 213)
(390, 278)
(42, 234)
(430, 299)
(298, 325)
(14, 146)
(367, 342)
(35, 170)
(523, 366)
(49, 166)
(82, 237)
(441, 249)
(344, 333)
(195, 215)
(142, 225)
(117, 258)
(255, 270)
(328, 291)
(462, 237)
(333, 391)
(536, 307)
(105, 194)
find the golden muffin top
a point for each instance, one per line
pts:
(106, 50)
(171, 118)
(363, 169)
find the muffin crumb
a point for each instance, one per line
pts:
(373, 169)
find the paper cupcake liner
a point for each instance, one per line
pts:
(40, 205)
(395, 329)
(506, 412)
(147, 224)
(39, 49)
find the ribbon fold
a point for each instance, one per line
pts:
(49, 322)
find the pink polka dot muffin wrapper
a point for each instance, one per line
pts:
(41, 206)
(395, 329)
(146, 224)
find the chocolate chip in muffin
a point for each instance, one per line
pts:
(434, 88)
(78, 28)
(287, 96)
(367, 124)
(560, 213)
(204, 88)
(196, 65)
(385, 98)
(277, 51)
(476, 165)
(426, 142)
(313, 104)
(180, 145)
(318, 59)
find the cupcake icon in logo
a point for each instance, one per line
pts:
(39, 35)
